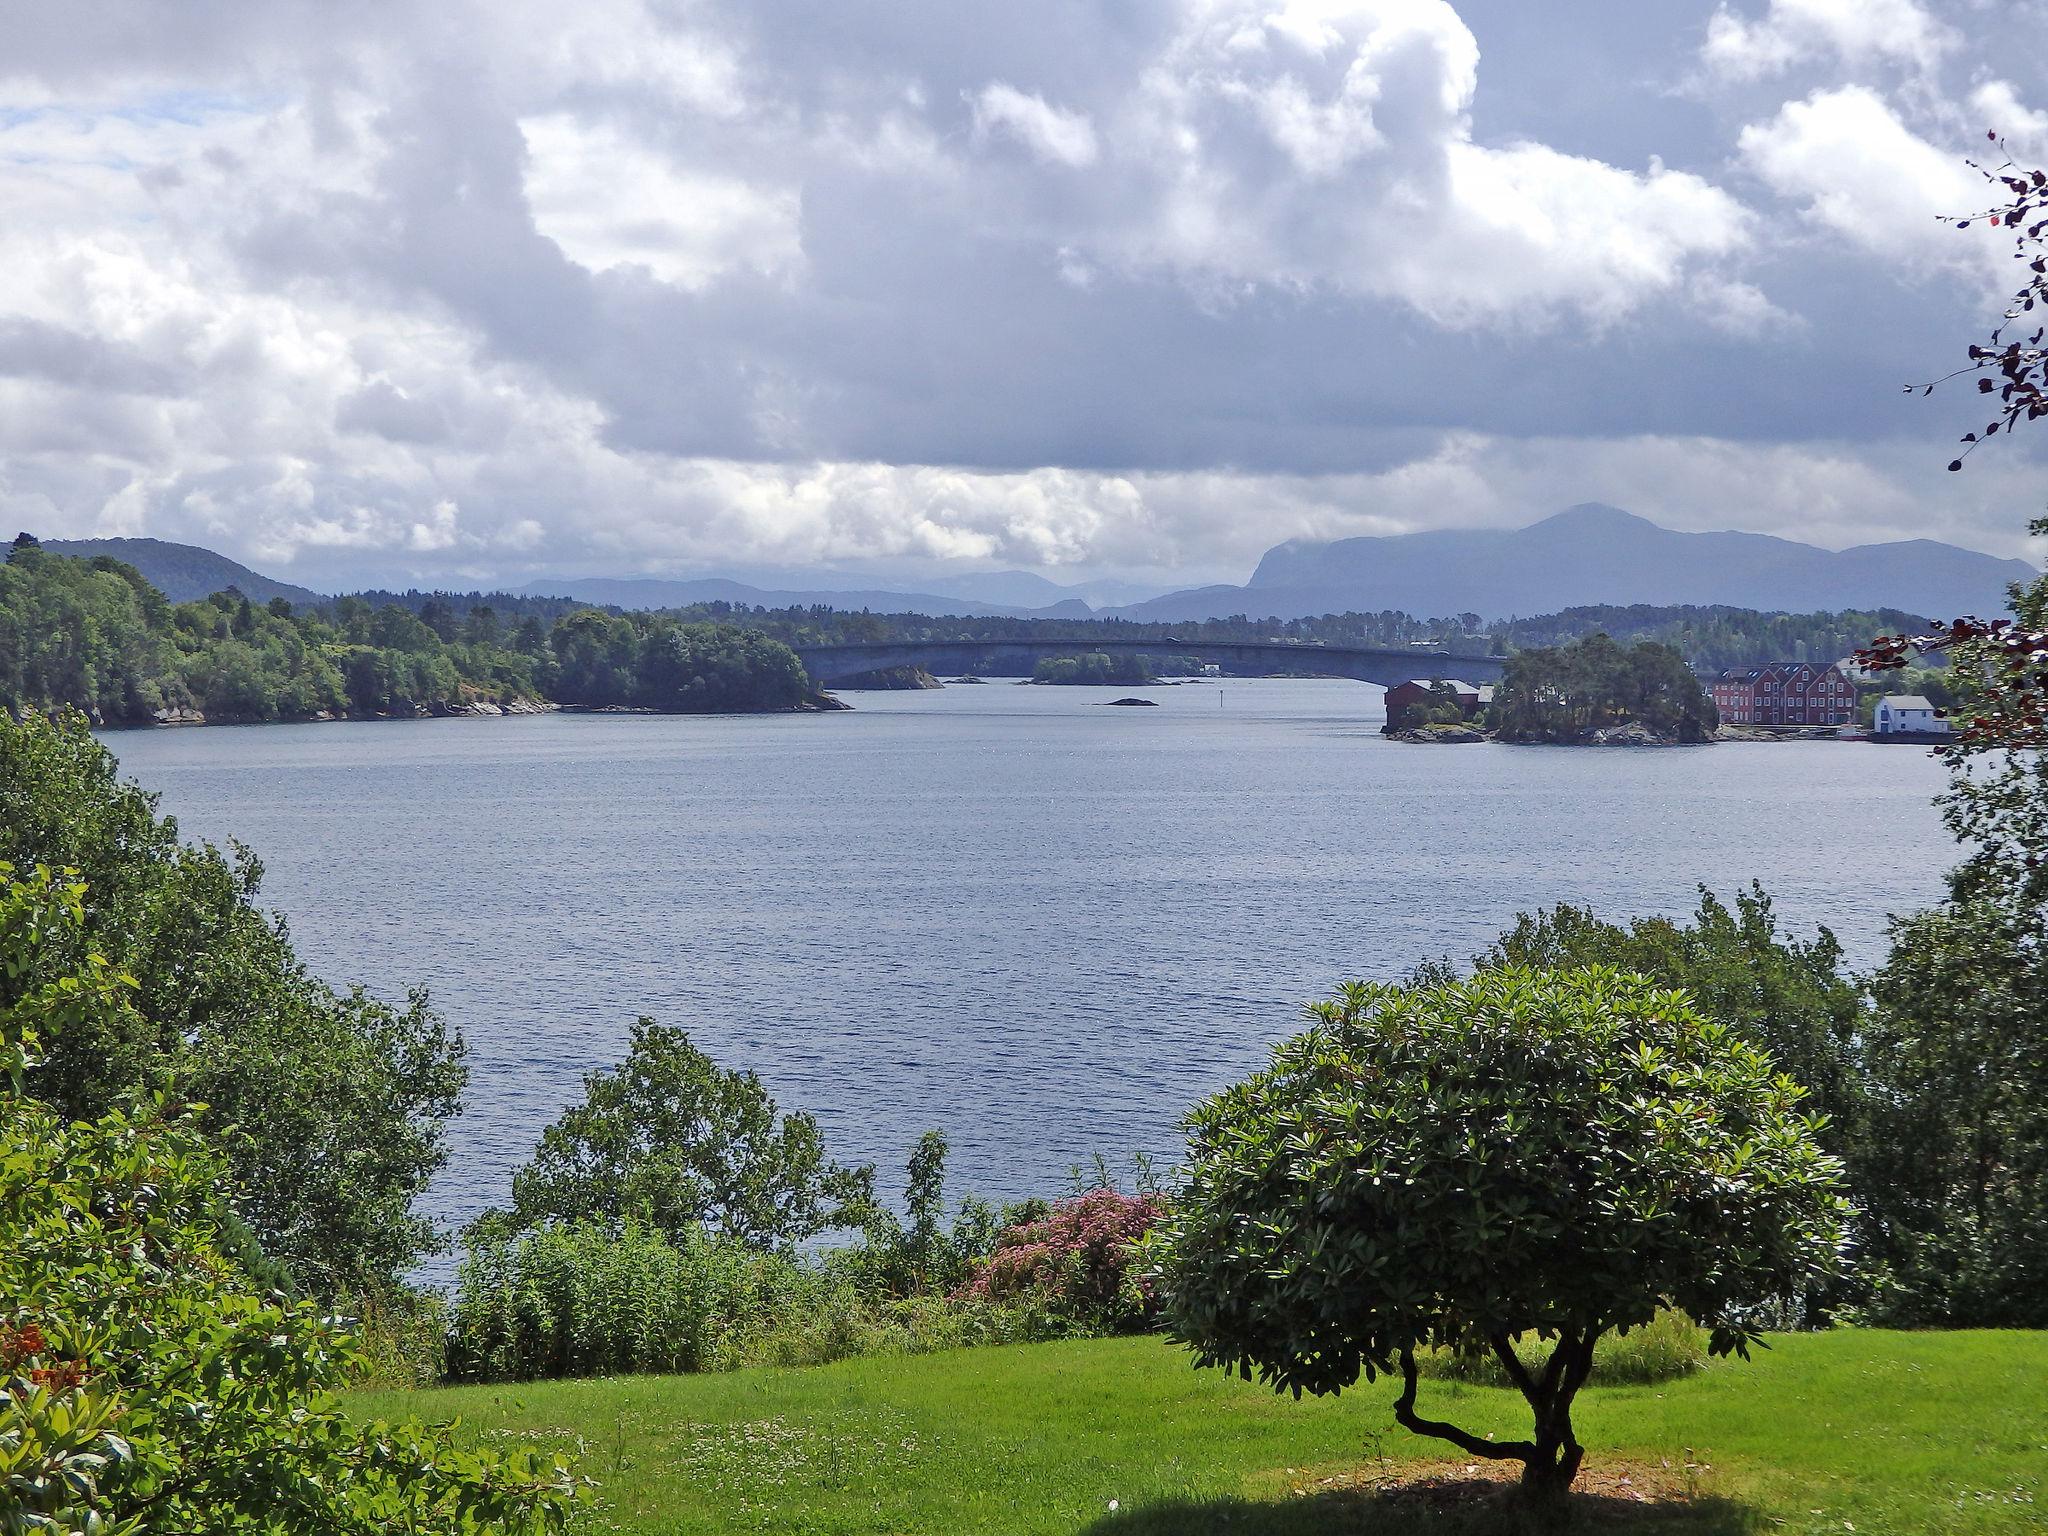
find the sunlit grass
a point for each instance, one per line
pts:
(1867, 1432)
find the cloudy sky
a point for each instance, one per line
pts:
(462, 291)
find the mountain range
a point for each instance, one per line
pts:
(970, 594)
(667, 592)
(1597, 554)
(1584, 555)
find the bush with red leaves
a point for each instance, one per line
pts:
(1078, 1261)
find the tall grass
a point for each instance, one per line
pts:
(588, 1299)
(402, 1337)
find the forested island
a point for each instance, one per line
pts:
(1591, 692)
(1096, 668)
(1595, 688)
(93, 635)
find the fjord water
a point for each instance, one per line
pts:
(1039, 923)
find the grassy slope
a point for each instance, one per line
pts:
(1868, 1432)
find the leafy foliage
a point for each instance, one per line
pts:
(329, 1106)
(671, 1140)
(1788, 996)
(1566, 694)
(651, 661)
(147, 1383)
(1957, 1184)
(93, 635)
(1096, 667)
(1079, 1258)
(1463, 1164)
(594, 1299)
(926, 1256)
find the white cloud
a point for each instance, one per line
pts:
(1859, 33)
(1063, 138)
(1328, 144)
(1997, 108)
(1868, 180)
(610, 202)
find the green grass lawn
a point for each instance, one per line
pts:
(1860, 1432)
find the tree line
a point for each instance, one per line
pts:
(93, 635)
(1709, 637)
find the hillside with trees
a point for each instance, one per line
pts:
(93, 635)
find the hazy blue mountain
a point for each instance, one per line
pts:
(968, 593)
(1597, 554)
(1025, 589)
(184, 572)
(664, 592)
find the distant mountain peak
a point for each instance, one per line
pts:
(1591, 555)
(1593, 516)
(186, 572)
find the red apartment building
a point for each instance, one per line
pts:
(1785, 693)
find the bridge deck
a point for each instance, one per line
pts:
(1383, 665)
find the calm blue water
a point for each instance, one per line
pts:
(1043, 925)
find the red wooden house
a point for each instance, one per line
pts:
(1785, 693)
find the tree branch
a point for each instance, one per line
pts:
(1511, 1362)
(1406, 1416)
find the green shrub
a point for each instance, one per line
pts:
(329, 1107)
(590, 1299)
(147, 1382)
(401, 1337)
(673, 1141)
(1665, 1349)
(840, 1323)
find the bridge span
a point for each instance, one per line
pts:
(830, 664)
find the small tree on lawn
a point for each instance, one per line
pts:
(1460, 1166)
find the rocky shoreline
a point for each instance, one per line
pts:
(181, 716)
(1632, 734)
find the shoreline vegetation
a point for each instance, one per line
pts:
(93, 635)
(1590, 693)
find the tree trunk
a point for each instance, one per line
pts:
(1555, 1454)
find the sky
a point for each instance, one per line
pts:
(465, 293)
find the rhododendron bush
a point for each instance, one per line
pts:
(1079, 1261)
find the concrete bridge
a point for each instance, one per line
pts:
(829, 664)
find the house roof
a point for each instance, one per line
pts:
(1752, 673)
(1456, 685)
(1905, 701)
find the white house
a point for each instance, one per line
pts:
(1906, 714)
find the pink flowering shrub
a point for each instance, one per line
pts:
(1078, 1261)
